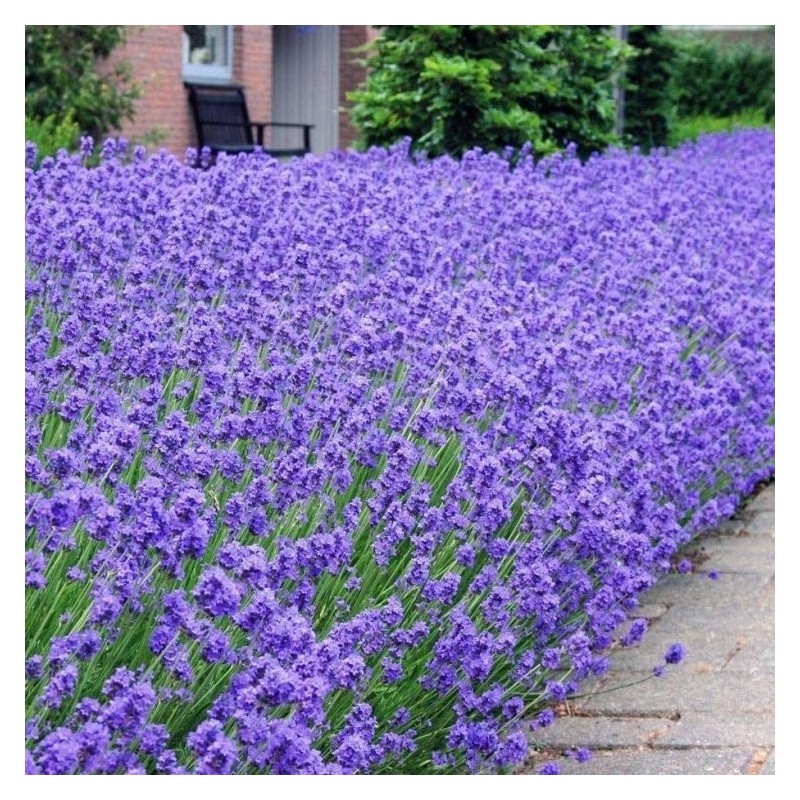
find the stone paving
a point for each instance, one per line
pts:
(712, 714)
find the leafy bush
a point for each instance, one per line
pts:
(356, 463)
(649, 87)
(454, 87)
(721, 82)
(65, 79)
(51, 135)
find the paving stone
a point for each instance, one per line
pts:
(756, 655)
(680, 691)
(707, 649)
(730, 527)
(768, 767)
(694, 761)
(764, 500)
(762, 524)
(701, 592)
(647, 611)
(600, 733)
(719, 730)
(743, 621)
(740, 554)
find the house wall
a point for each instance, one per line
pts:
(252, 67)
(351, 74)
(154, 54)
(305, 84)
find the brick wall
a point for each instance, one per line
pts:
(154, 53)
(351, 74)
(252, 67)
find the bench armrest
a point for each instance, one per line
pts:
(306, 131)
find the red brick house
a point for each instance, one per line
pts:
(290, 73)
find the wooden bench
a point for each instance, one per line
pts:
(223, 123)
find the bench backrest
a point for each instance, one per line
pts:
(213, 105)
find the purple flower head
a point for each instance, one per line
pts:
(154, 739)
(34, 570)
(60, 687)
(31, 151)
(544, 720)
(33, 667)
(76, 574)
(216, 593)
(675, 653)
(550, 768)
(581, 754)
(58, 753)
(216, 753)
(512, 750)
(392, 670)
(108, 149)
(635, 633)
(30, 764)
(106, 606)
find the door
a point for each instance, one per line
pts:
(305, 83)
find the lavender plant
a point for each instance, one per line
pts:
(356, 463)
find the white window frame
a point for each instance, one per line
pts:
(209, 73)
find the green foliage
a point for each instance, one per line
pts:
(51, 134)
(649, 87)
(454, 87)
(63, 82)
(724, 82)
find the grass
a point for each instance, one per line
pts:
(692, 127)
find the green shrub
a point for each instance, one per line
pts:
(649, 87)
(62, 79)
(51, 134)
(724, 82)
(454, 87)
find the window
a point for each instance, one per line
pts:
(208, 53)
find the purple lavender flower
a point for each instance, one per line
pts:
(216, 593)
(60, 687)
(635, 633)
(544, 720)
(581, 754)
(323, 401)
(550, 768)
(684, 566)
(33, 667)
(58, 753)
(216, 753)
(675, 653)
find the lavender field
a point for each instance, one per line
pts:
(356, 463)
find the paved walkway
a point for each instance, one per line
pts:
(714, 713)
